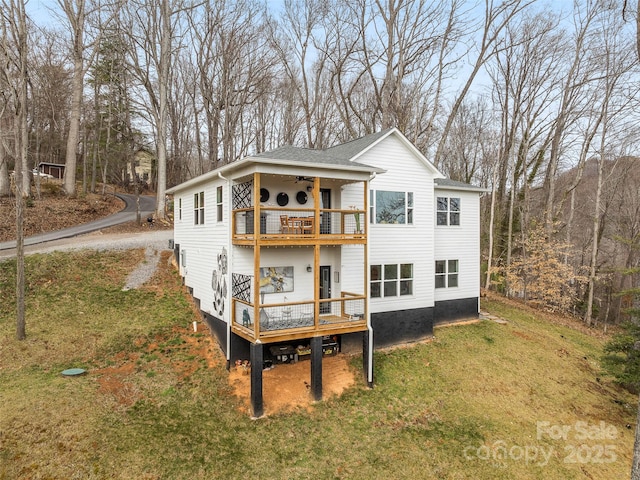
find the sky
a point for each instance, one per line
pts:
(40, 11)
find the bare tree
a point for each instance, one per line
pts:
(14, 54)
(152, 29)
(5, 183)
(234, 71)
(390, 61)
(75, 13)
(616, 61)
(50, 93)
(496, 18)
(299, 39)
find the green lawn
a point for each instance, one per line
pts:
(525, 399)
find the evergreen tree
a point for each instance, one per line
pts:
(622, 352)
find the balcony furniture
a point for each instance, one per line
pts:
(286, 224)
(265, 319)
(302, 225)
(249, 222)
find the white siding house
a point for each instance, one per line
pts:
(361, 245)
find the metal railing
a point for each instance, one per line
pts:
(300, 316)
(284, 222)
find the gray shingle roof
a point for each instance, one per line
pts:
(329, 157)
(447, 182)
(354, 147)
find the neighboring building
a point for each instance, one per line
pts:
(143, 164)
(295, 252)
(56, 170)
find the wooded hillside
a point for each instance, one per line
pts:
(536, 101)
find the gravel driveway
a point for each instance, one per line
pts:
(154, 242)
(156, 239)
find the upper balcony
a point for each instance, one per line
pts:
(280, 209)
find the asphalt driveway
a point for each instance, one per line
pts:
(127, 214)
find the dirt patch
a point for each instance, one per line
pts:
(112, 381)
(286, 387)
(522, 335)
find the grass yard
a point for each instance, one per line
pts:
(520, 400)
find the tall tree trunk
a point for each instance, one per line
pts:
(5, 184)
(487, 283)
(76, 20)
(163, 87)
(596, 236)
(20, 28)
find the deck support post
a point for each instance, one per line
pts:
(256, 356)
(316, 368)
(367, 356)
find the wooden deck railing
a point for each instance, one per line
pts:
(277, 223)
(298, 319)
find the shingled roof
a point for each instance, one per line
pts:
(448, 183)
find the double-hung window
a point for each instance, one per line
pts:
(446, 273)
(391, 280)
(198, 208)
(387, 207)
(448, 211)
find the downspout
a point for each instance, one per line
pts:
(366, 284)
(229, 267)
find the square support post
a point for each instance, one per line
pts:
(316, 368)
(367, 356)
(256, 356)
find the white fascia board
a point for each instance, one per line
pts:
(470, 188)
(248, 165)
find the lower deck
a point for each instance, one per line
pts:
(271, 323)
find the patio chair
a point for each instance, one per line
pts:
(306, 317)
(286, 226)
(265, 319)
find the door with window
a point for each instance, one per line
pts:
(325, 202)
(325, 288)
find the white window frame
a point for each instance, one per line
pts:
(398, 281)
(198, 208)
(408, 207)
(448, 211)
(219, 203)
(447, 273)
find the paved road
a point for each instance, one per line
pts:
(127, 214)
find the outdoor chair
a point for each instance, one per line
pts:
(286, 226)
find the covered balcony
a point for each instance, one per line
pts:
(274, 209)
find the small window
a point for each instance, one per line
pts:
(446, 273)
(180, 208)
(375, 281)
(219, 203)
(448, 211)
(198, 208)
(391, 280)
(406, 279)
